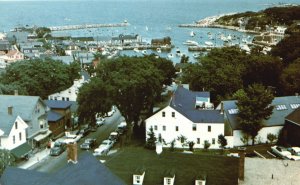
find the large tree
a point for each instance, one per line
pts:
(130, 83)
(219, 72)
(40, 77)
(254, 105)
(290, 78)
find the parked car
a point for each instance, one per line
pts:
(103, 148)
(100, 121)
(88, 144)
(295, 151)
(70, 138)
(281, 152)
(83, 131)
(113, 136)
(110, 113)
(57, 149)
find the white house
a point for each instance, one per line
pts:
(13, 137)
(189, 115)
(70, 94)
(283, 106)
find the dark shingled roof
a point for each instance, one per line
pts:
(294, 116)
(184, 101)
(54, 116)
(57, 104)
(88, 171)
(277, 118)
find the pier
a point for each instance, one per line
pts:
(86, 26)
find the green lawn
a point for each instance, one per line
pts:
(220, 170)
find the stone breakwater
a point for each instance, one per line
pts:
(86, 26)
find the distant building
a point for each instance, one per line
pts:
(291, 130)
(283, 106)
(189, 115)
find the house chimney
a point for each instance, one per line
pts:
(10, 110)
(16, 92)
(72, 152)
(222, 108)
(241, 152)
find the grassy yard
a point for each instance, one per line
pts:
(218, 169)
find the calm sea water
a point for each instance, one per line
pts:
(148, 18)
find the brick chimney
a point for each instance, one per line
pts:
(241, 152)
(72, 152)
(10, 110)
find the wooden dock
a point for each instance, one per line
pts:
(86, 26)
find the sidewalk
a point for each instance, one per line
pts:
(34, 159)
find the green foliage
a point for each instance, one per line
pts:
(290, 78)
(263, 69)
(245, 139)
(134, 84)
(151, 140)
(6, 159)
(191, 145)
(254, 107)
(183, 140)
(172, 145)
(41, 31)
(93, 98)
(39, 77)
(184, 59)
(222, 140)
(271, 137)
(220, 72)
(206, 144)
(288, 48)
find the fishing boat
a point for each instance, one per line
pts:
(136, 50)
(144, 52)
(158, 50)
(191, 43)
(208, 43)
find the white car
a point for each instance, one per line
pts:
(104, 147)
(100, 121)
(295, 151)
(281, 152)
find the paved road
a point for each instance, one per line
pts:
(53, 163)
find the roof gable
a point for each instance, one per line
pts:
(22, 105)
(184, 102)
(294, 116)
(57, 104)
(53, 116)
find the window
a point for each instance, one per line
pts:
(163, 114)
(155, 127)
(164, 128)
(213, 141)
(176, 128)
(14, 140)
(16, 125)
(209, 128)
(68, 99)
(168, 181)
(173, 114)
(55, 98)
(137, 179)
(20, 136)
(63, 98)
(194, 127)
(41, 124)
(198, 140)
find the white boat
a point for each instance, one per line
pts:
(208, 43)
(191, 43)
(196, 55)
(158, 50)
(178, 53)
(136, 50)
(192, 34)
(170, 55)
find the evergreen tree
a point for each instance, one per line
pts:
(254, 106)
(151, 140)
